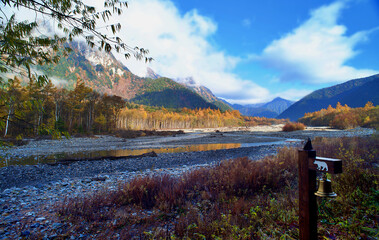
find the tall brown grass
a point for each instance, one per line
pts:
(236, 199)
(293, 126)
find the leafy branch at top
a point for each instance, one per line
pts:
(19, 48)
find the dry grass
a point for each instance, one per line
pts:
(290, 127)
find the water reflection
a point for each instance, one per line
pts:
(33, 160)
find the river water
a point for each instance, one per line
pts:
(52, 158)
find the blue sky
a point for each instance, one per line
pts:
(250, 51)
(248, 27)
(278, 48)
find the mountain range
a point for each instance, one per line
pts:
(354, 93)
(191, 84)
(105, 74)
(270, 110)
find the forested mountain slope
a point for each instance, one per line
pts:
(354, 93)
(105, 74)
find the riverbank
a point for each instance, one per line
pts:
(31, 193)
(247, 143)
(193, 136)
(28, 194)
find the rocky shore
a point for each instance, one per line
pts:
(29, 194)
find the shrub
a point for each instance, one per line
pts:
(353, 214)
(289, 127)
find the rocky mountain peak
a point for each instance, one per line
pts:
(151, 74)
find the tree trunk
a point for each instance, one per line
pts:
(7, 123)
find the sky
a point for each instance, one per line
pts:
(250, 51)
(253, 51)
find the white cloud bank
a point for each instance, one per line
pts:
(317, 51)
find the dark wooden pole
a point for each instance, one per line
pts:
(307, 198)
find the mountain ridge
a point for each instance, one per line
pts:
(270, 109)
(354, 93)
(190, 83)
(105, 74)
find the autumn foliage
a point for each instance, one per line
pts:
(344, 117)
(293, 126)
(143, 117)
(35, 110)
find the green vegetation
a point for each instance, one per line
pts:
(344, 117)
(160, 84)
(221, 105)
(237, 199)
(173, 98)
(290, 127)
(164, 92)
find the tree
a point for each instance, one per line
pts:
(20, 49)
(110, 107)
(11, 99)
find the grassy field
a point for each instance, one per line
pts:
(237, 199)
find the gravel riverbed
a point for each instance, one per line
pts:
(29, 193)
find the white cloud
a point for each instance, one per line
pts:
(317, 51)
(179, 43)
(181, 47)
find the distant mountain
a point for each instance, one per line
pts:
(151, 74)
(270, 110)
(254, 111)
(204, 92)
(191, 84)
(164, 92)
(354, 93)
(105, 74)
(201, 90)
(278, 105)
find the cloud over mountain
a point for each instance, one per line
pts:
(181, 45)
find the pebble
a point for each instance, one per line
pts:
(25, 233)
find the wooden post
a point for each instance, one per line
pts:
(307, 199)
(309, 164)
